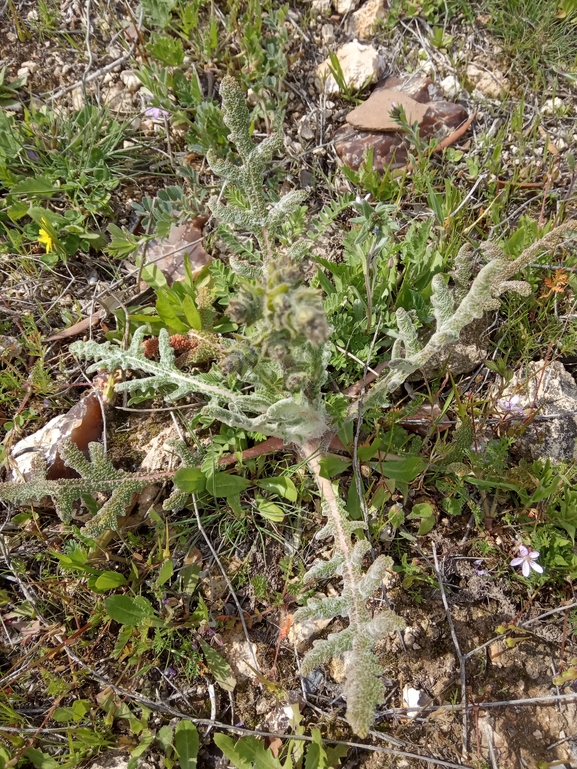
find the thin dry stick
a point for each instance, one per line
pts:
(228, 582)
(549, 699)
(461, 658)
(88, 48)
(489, 737)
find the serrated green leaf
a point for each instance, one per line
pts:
(225, 485)
(281, 485)
(186, 744)
(37, 185)
(218, 666)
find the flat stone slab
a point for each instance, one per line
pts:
(374, 113)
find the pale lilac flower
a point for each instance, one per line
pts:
(511, 405)
(156, 113)
(359, 201)
(527, 561)
(170, 672)
(478, 570)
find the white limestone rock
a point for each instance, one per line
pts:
(360, 64)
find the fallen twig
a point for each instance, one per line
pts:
(462, 659)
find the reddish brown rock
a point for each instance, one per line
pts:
(415, 87)
(390, 148)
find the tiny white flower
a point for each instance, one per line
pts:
(511, 405)
(527, 561)
(359, 200)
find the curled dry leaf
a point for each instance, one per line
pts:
(82, 424)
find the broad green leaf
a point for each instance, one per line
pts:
(121, 641)
(41, 760)
(354, 508)
(186, 744)
(335, 753)
(165, 573)
(63, 714)
(165, 737)
(154, 276)
(346, 434)
(225, 485)
(158, 12)
(269, 509)
(229, 748)
(316, 754)
(247, 753)
(421, 510)
(406, 469)
(190, 479)
(191, 312)
(366, 453)
(127, 610)
(235, 505)
(75, 712)
(145, 742)
(109, 580)
(424, 511)
(396, 516)
(453, 505)
(426, 525)
(218, 666)
(281, 485)
(189, 575)
(17, 211)
(165, 307)
(200, 614)
(332, 465)
(89, 737)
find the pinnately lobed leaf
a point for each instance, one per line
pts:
(270, 380)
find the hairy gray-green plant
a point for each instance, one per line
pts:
(271, 379)
(97, 475)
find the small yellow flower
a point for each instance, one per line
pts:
(45, 237)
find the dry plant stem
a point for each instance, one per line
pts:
(228, 582)
(461, 658)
